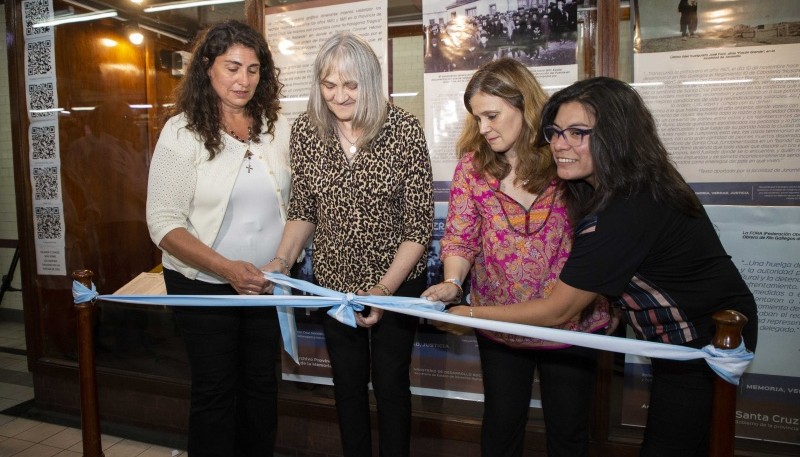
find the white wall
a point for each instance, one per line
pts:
(408, 68)
(8, 208)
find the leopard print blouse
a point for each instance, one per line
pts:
(364, 210)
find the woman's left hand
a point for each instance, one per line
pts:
(445, 292)
(616, 318)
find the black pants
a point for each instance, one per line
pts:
(681, 396)
(679, 415)
(566, 378)
(232, 355)
(384, 352)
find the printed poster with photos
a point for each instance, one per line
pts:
(722, 79)
(461, 36)
(295, 33)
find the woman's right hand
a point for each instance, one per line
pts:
(246, 278)
(445, 292)
(455, 329)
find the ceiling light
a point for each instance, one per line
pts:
(69, 18)
(186, 4)
(135, 35)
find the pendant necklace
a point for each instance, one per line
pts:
(353, 149)
(247, 154)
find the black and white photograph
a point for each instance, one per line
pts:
(677, 25)
(462, 35)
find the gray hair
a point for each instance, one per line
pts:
(353, 58)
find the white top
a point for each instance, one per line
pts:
(249, 230)
(187, 190)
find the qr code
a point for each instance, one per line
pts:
(43, 142)
(45, 183)
(40, 57)
(36, 11)
(41, 98)
(48, 223)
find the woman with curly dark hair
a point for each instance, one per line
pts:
(216, 206)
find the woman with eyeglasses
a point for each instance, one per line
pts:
(644, 241)
(507, 224)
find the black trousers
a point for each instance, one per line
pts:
(383, 353)
(232, 355)
(566, 378)
(679, 415)
(681, 396)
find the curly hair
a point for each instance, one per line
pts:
(628, 155)
(512, 81)
(196, 98)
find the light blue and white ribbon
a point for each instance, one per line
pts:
(343, 305)
(728, 364)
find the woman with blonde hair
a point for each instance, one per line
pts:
(507, 224)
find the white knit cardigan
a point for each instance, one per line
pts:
(187, 190)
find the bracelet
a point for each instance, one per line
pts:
(383, 289)
(456, 283)
(470, 312)
(283, 262)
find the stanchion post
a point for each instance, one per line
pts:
(90, 411)
(728, 335)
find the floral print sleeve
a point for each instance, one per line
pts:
(462, 229)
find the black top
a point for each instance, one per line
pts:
(667, 271)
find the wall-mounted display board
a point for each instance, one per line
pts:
(722, 79)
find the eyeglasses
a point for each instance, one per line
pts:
(572, 135)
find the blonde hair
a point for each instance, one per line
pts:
(510, 80)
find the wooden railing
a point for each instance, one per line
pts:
(90, 408)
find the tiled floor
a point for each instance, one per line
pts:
(21, 437)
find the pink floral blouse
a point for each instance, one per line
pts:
(516, 254)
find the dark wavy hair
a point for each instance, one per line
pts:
(513, 82)
(196, 98)
(628, 155)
